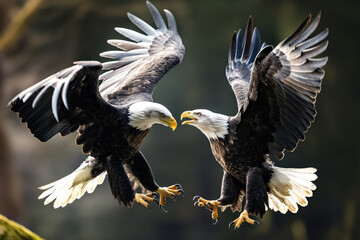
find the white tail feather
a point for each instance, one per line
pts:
(289, 188)
(73, 186)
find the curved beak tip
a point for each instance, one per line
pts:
(185, 114)
(173, 124)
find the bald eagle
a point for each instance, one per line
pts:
(113, 118)
(276, 90)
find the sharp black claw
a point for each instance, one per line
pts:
(230, 225)
(181, 191)
(196, 203)
(216, 221)
(156, 200)
(178, 186)
(208, 207)
(257, 223)
(155, 194)
(149, 206)
(196, 198)
(161, 207)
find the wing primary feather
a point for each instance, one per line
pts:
(39, 95)
(64, 94)
(247, 39)
(113, 65)
(144, 26)
(120, 54)
(171, 20)
(311, 79)
(313, 41)
(124, 45)
(232, 49)
(54, 101)
(314, 51)
(159, 21)
(255, 45)
(297, 32)
(305, 34)
(131, 34)
(27, 95)
(239, 44)
(310, 65)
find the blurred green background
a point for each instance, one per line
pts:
(57, 33)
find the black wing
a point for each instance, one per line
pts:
(139, 67)
(69, 98)
(285, 80)
(61, 102)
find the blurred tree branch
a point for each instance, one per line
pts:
(12, 230)
(11, 32)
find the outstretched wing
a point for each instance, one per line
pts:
(57, 103)
(242, 54)
(136, 70)
(285, 81)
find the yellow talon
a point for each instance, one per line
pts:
(143, 199)
(171, 192)
(244, 217)
(211, 205)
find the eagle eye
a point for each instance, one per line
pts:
(162, 115)
(198, 114)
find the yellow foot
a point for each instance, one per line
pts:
(144, 199)
(244, 217)
(210, 205)
(172, 192)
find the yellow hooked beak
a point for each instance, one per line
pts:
(171, 122)
(188, 114)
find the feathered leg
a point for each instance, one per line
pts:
(119, 182)
(140, 169)
(256, 198)
(230, 196)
